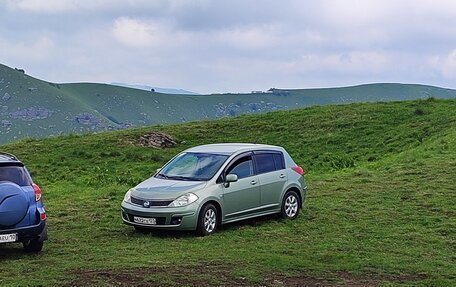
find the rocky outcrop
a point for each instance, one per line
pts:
(6, 97)
(31, 114)
(156, 140)
(88, 119)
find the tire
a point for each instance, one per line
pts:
(290, 205)
(33, 245)
(207, 220)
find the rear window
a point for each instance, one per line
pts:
(16, 174)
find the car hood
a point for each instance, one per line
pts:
(157, 188)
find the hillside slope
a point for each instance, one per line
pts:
(380, 208)
(156, 89)
(34, 108)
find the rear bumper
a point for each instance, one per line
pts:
(29, 232)
(303, 194)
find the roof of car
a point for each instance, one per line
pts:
(7, 157)
(230, 148)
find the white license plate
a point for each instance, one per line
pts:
(4, 238)
(150, 221)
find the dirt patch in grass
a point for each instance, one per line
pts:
(201, 275)
(154, 139)
(219, 275)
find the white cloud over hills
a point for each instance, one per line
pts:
(220, 46)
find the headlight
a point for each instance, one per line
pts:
(184, 200)
(127, 197)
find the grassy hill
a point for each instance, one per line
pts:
(34, 108)
(380, 209)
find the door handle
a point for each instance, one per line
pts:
(282, 176)
(253, 182)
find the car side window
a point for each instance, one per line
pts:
(265, 162)
(279, 161)
(242, 167)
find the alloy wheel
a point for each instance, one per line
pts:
(210, 220)
(291, 206)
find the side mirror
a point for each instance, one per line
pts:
(230, 178)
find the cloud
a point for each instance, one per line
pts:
(48, 6)
(58, 7)
(138, 33)
(231, 45)
(249, 37)
(445, 65)
(355, 62)
(135, 33)
(32, 50)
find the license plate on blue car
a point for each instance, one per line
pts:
(143, 220)
(5, 238)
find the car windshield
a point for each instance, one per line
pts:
(192, 166)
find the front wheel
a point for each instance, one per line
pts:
(33, 245)
(207, 220)
(290, 205)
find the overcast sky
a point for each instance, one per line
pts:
(232, 45)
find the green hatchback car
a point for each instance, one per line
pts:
(206, 186)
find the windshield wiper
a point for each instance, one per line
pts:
(177, 177)
(163, 176)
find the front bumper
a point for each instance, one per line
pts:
(176, 218)
(29, 232)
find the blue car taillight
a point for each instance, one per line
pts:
(37, 191)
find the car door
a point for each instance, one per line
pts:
(272, 177)
(242, 196)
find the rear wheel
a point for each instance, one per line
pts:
(290, 205)
(207, 220)
(33, 245)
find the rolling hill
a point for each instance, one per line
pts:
(156, 89)
(34, 108)
(380, 209)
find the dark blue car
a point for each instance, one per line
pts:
(22, 214)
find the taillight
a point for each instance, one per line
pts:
(37, 191)
(298, 169)
(43, 216)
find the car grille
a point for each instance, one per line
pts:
(152, 203)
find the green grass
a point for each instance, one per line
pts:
(380, 209)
